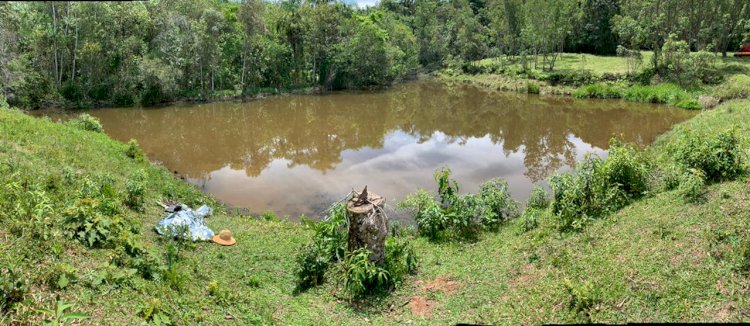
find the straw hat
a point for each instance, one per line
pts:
(224, 238)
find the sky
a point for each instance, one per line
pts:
(362, 3)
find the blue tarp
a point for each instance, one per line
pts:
(187, 224)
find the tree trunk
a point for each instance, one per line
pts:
(75, 49)
(54, 43)
(368, 226)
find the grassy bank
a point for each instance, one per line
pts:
(603, 77)
(658, 259)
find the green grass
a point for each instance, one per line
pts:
(735, 87)
(658, 259)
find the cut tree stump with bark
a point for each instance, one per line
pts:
(368, 226)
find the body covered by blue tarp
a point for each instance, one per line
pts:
(186, 220)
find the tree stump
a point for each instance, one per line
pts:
(368, 226)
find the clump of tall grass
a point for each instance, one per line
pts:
(667, 93)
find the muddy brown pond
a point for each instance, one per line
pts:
(297, 154)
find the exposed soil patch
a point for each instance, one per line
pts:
(442, 283)
(421, 306)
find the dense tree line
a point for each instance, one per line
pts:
(83, 54)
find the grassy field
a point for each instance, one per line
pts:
(583, 74)
(656, 260)
(600, 65)
(574, 61)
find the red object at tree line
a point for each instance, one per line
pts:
(745, 52)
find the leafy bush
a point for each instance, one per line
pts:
(101, 188)
(460, 216)
(312, 264)
(400, 258)
(498, 206)
(701, 68)
(13, 287)
(538, 198)
(72, 92)
(428, 214)
(599, 187)
(87, 122)
(601, 91)
(35, 215)
(530, 219)
(3, 102)
(718, 156)
(627, 169)
(84, 221)
(134, 151)
(582, 196)
(670, 177)
(135, 189)
(328, 246)
(692, 186)
(532, 88)
(361, 276)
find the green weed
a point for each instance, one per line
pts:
(135, 191)
(152, 311)
(62, 275)
(361, 276)
(457, 216)
(13, 288)
(134, 151)
(61, 315)
(719, 156)
(599, 187)
(530, 219)
(87, 122)
(692, 186)
(583, 298)
(538, 198)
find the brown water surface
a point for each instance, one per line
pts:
(296, 154)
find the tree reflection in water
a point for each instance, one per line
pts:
(294, 154)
